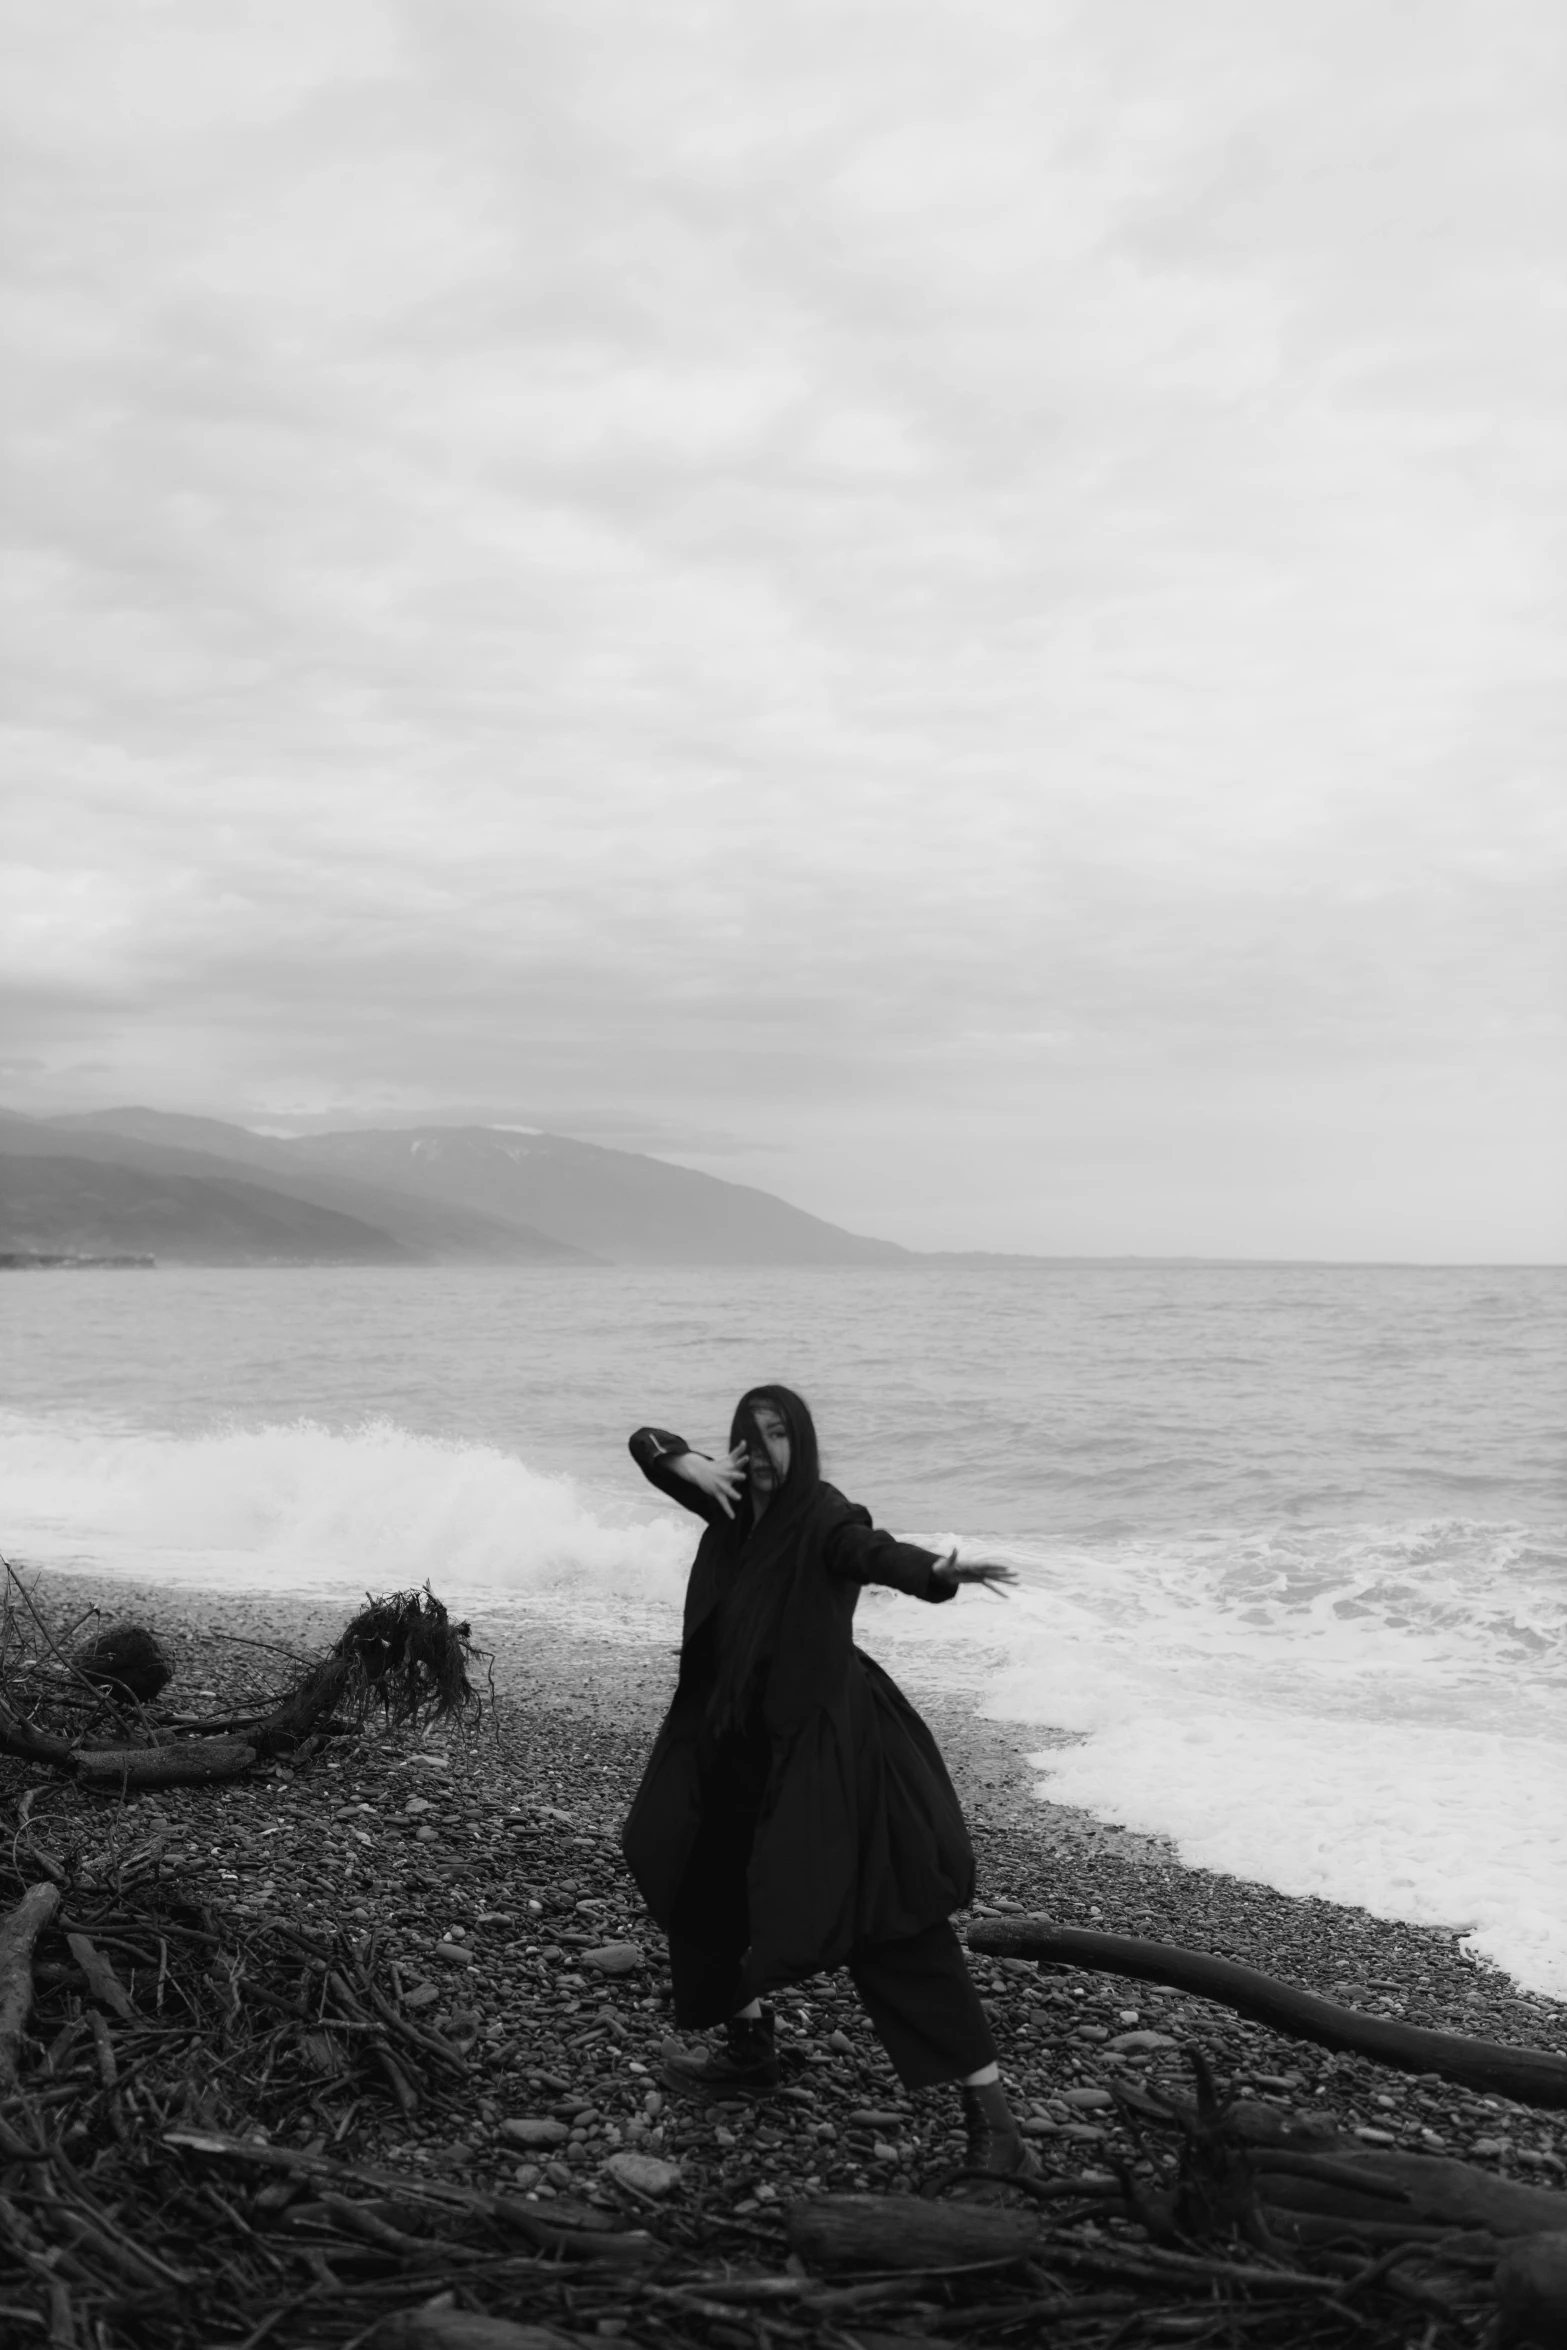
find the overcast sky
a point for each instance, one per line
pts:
(953, 609)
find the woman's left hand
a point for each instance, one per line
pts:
(954, 1570)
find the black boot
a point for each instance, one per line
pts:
(995, 2143)
(746, 2066)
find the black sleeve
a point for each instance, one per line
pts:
(859, 1552)
(653, 1449)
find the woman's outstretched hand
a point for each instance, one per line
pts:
(723, 1479)
(954, 1570)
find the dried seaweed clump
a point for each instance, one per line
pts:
(412, 1660)
(401, 1656)
(126, 1661)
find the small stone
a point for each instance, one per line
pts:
(643, 2173)
(426, 1835)
(1087, 2100)
(414, 1806)
(1128, 2043)
(1494, 2146)
(452, 1953)
(842, 2042)
(534, 2130)
(614, 1958)
(1376, 2137)
(527, 2174)
(422, 1995)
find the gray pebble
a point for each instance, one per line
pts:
(528, 2130)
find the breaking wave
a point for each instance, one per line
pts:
(1375, 1715)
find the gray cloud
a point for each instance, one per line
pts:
(975, 593)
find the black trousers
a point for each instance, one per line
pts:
(918, 1994)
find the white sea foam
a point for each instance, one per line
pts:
(1444, 1827)
(304, 1507)
(1374, 1715)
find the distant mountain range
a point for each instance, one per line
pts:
(195, 1191)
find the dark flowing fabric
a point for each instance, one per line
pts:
(830, 1810)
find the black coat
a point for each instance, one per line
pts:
(859, 1836)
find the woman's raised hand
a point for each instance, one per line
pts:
(954, 1570)
(723, 1479)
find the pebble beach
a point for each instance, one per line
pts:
(488, 1856)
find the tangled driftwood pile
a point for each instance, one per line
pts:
(185, 2088)
(401, 1657)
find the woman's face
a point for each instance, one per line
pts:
(767, 1470)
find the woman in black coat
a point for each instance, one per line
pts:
(795, 1814)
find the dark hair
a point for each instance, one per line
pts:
(751, 1611)
(805, 1462)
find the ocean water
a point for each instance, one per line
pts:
(1292, 1541)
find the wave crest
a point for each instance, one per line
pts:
(302, 1506)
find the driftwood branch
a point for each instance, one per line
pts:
(841, 2232)
(1529, 2076)
(102, 1981)
(401, 1656)
(28, 1743)
(1440, 2192)
(187, 1762)
(18, 1933)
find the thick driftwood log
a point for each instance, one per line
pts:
(834, 2232)
(184, 1763)
(1442, 2193)
(904, 2232)
(19, 1738)
(18, 1933)
(1530, 2076)
(464, 2329)
(188, 1763)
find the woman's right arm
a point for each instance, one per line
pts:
(710, 1488)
